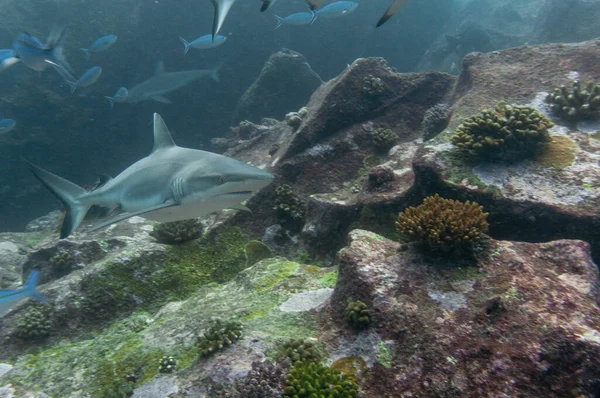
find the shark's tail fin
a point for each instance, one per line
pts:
(73, 87)
(279, 20)
(186, 44)
(56, 43)
(69, 194)
(86, 52)
(30, 287)
(214, 74)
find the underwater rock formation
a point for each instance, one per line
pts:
(285, 83)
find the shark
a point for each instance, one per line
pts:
(392, 9)
(172, 183)
(222, 7)
(163, 83)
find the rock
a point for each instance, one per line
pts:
(523, 317)
(48, 222)
(284, 85)
(13, 252)
(567, 21)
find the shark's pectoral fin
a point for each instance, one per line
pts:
(162, 99)
(125, 216)
(393, 8)
(241, 207)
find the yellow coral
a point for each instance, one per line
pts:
(443, 224)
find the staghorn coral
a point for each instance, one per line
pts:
(299, 350)
(435, 120)
(291, 210)
(309, 379)
(34, 324)
(175, 232)
(443, 224)
(167, 364)
(507, 132)
(218, 336)
(265, 380)
(358, 315)
(373, 86)
(383, 138)
(577, 102)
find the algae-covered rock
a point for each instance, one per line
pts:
(177, 231)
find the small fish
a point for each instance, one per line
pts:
(6, 125)
(9, 297)
(203, 42)
(99, 45)
(392, 9)
(38, 56)
(298, 19)
(337, 9)
(120, 96)
(90, 77)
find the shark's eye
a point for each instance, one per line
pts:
(221, 179)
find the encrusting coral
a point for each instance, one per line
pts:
(309, 379)
(435, 120)
(299, 350)
(373, 86)
(506, 132)
(291, 210)
(218, 336)
(383, 138)
(443, 224)
(264, 380)
(358, 315)
(34, 324)
(576, 102)
(177, 231)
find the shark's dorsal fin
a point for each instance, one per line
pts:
(160, 68)
(162, 137)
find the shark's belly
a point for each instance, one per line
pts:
(195, 209)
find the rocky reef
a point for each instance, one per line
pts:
(351, 301)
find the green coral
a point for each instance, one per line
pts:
(167, 364)
(64, 260)
(443, 224)
(218, 336)
(383, 138)
(290, 208)
(299, 350)
(373, 86)
(309, 379)
(34, 324)
(507, 132)
(175, 232)
(358, 315)
(577, 102)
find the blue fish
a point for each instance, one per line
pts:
(337, 9)
(38, 56)
(99, 45)
(298, 19)
(120, 96)
(203, 42)
(9, 298)
(90, 77)
(6, 125)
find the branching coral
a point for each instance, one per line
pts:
(358, 315)
(177, 231)
(218, 336)
(34, 324)
(265, 380)
(309, 379)
(373, 86)
(506, 132)
(443, 224)
(290, 208)
(576, 102)
(299, 350)
(383, 138)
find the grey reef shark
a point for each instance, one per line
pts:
(172, 183)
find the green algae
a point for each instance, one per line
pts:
(384, 355)
(33, 238)
(328, 280)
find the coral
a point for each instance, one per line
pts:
(167, 364)
(64, 260)
(379, 178)
(34, 324)
(175, 232)
(309, 379)
(373, 86)
(294, 120)
(291, 210)
(265, 380)
(218, 336)
(576, 102)
(358, 315)
(383, 138)
(558, 153)
(507, 132)
(435, 120)
(443, 224)
(299, 350)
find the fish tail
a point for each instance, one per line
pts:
(86, 52)
(279, 20)
(69, 194)
(111, 101)
(214, 74)
(73, 87)
(314, 18)
(186, 44)
(58, 56)
(30, 287)
(8, 62)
